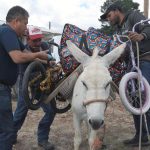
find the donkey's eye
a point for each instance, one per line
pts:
(84, 84)
(107, 85)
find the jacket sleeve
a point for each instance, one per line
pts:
(135, 17)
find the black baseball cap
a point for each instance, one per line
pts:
(112, 7)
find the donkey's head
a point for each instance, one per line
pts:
(95, 81)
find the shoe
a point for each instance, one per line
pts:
(135, 141)
(46, 145)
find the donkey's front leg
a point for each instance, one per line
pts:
(95, 142)
(92, 135)
(77, 128)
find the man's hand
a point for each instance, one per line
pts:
(134, 36)
(42, 55)
(52, 63)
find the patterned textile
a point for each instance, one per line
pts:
(86, 41)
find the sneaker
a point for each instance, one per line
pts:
(135, 141)
(46, 145)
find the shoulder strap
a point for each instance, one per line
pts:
(84, 42)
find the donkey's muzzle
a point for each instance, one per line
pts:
(96, 124)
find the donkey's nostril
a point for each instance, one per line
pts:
(96, 124)
(102, 122)
(90, 122)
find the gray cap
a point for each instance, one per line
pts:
(112, 7)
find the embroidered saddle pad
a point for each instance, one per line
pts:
(86, 41)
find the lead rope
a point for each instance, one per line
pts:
(139, 79)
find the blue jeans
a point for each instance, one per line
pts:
(6, 118)
(145, 69)
(21, 113)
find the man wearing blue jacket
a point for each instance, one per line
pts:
(11, 54)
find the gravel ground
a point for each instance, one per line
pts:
(119, 126)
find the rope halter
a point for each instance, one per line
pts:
(87, 102)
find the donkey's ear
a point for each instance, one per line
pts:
(79, 55)
(112, 56)
(95, 52)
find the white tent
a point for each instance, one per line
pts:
(48, 34)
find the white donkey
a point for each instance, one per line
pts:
(91, 91)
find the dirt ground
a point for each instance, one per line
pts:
(119, 126)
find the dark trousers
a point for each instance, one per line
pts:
(6, 118)
(145, 69)
(21, 113)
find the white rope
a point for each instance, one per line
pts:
(139, 79)
(145, 120)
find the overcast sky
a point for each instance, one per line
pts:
(82, 13)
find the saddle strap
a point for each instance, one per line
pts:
(84, 42)
(145, 56)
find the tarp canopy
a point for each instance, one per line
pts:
(48, 34)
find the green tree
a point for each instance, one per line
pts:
(126, 5)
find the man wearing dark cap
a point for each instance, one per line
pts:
(112, 7)
(124, 21)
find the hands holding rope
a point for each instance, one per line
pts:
(136, 37)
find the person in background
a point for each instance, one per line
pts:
(124, 21)
(34, 44)
(12, 53)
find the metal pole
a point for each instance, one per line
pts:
(49, 25)
(146, 6)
